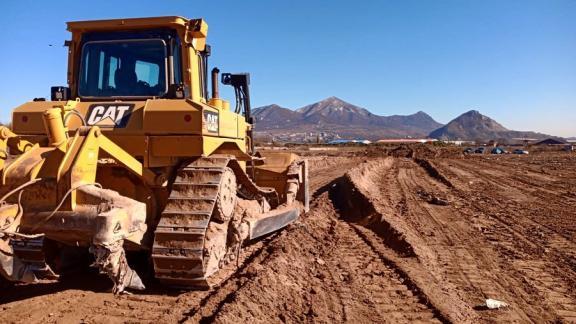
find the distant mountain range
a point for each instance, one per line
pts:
(344, 120)
(334, 115)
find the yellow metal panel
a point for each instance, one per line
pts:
(180, 146)
(219, 145)
(83, 169)
(66, 163)
(27, 118)
(128, 23)
(163, 116)
(135, 145)
(228, 124)
(242, 127)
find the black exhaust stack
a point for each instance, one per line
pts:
(215, 91)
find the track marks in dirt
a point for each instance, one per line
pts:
(516, 189)
(557, 294)
(454, 253)
(209, 306)
(528, 233)
(375, 291)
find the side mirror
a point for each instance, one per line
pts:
(59, 93)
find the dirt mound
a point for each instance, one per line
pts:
(424, 151)
(355, 206)
(404, 151)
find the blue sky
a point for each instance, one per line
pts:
(513, 60)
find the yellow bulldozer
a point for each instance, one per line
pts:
(134, 155)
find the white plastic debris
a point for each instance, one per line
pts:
(495, 304)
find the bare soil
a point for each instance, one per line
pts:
(415, 234)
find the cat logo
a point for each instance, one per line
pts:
(109, 115)
(211, 120)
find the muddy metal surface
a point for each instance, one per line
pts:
(396, 237)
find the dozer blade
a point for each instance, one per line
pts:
(271, 222)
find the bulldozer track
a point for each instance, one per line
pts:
(178, 252)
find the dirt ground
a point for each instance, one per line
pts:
(395, 235)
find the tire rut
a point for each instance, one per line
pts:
(373, 286)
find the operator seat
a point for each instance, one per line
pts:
(125, 80)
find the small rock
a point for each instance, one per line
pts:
(495, 304)
(320, 261)
(439, 201)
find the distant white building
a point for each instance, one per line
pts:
(348, 141)
(406, 140)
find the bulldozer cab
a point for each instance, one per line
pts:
(138, 58)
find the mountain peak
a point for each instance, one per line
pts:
(275, 112)
(472, 113)
(333, 108)
(333, 100)
(470, 125)
(268, 107)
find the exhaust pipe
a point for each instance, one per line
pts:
(215, 100)
(215, 92)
